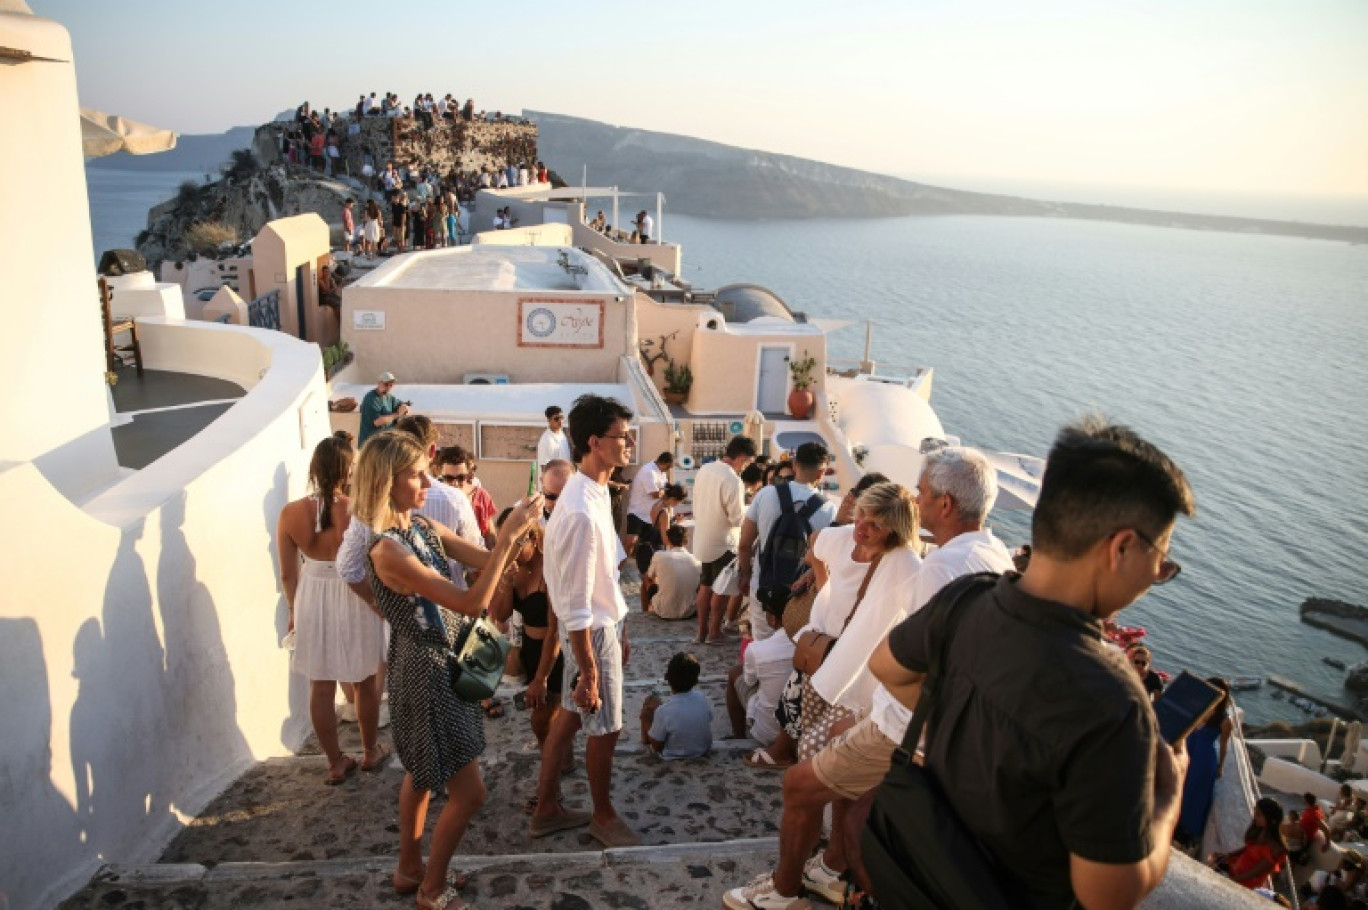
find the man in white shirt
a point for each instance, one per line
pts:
(581, 565)
(647, 487)
(955, 493)
(719, 507)
(809, 467)
(645, 225)
(553, 443)
(755, 685)
(670, 582)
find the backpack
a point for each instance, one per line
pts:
(781, 559)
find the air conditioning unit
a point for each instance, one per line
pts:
(485, 379)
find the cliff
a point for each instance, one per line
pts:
(710, 179)
(260, 184)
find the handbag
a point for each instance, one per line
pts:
(916, 850)
(798, 611)
(477, 664)
(812, 647)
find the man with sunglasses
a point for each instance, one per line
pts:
(456, 468)
(554, 443)
(1044, 742)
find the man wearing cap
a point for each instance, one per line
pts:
(379, 409)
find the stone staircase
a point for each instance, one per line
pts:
(278, 838)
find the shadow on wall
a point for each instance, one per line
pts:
(200, 693)
(296, 725)
(38, 819)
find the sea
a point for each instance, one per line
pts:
(1242, 356)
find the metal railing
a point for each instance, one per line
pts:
(264, 312)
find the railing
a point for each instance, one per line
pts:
(264, 312)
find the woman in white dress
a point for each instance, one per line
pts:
(338, 637)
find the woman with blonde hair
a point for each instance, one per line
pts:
(864, 574)
(438, 736)
(338, 637)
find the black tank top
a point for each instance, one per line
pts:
(533, 607)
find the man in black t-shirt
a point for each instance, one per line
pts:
(1044, 742)
(399, 218)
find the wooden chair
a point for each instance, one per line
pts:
(113, 325)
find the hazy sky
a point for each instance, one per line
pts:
(1222, 96)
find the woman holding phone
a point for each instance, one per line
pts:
(438, 736)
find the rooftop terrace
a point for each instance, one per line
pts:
(496, 268)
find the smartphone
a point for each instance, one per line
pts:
(1184, 706)
(532, 479)
(520, 700)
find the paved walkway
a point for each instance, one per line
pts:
(278, 838)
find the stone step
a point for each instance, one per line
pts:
(281, 811)
(649, 878)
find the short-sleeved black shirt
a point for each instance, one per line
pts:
(1044, 739)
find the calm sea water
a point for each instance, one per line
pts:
(1241, 356)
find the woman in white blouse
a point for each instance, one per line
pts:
(885, 529)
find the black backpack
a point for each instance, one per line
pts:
(781, 559)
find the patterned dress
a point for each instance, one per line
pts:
(435, 733)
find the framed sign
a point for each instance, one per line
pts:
(548, 322)
(368, 320)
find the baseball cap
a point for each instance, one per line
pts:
(387, 377)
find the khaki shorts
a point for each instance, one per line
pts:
(855, 762)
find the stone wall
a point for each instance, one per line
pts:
(448, 146)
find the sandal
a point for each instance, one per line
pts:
(336, 777)
(492, 708)
(447, 900)
(406, 884)
(761, 760)
(375, 767)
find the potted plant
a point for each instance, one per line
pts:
(801, 399)
(678, 381)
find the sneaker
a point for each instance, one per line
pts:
(384, 720)
(760, 895)
(346, 712)
(822, 882)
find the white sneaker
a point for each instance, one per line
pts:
(822, 882)
(760, 895)
(346, 712)
(384, 716)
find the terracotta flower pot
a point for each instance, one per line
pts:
(800, 403)
(675, 397)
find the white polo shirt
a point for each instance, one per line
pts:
(976, 551)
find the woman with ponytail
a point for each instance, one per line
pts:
(338, 637)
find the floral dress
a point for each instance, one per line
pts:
(435, 733)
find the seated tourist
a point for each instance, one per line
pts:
(754, 687)
(671, 580)
(1263, 853)
(681, 725)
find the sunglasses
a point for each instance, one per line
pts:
(455, 478)
(551, 497)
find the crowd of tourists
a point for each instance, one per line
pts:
(855, 618)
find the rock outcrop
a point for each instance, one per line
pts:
(1344, 619)
(259, 185)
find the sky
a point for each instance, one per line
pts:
(1265, 98)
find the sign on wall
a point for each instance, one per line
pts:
(548, 322)
(368, 320)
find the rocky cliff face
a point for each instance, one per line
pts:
(262, 185)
